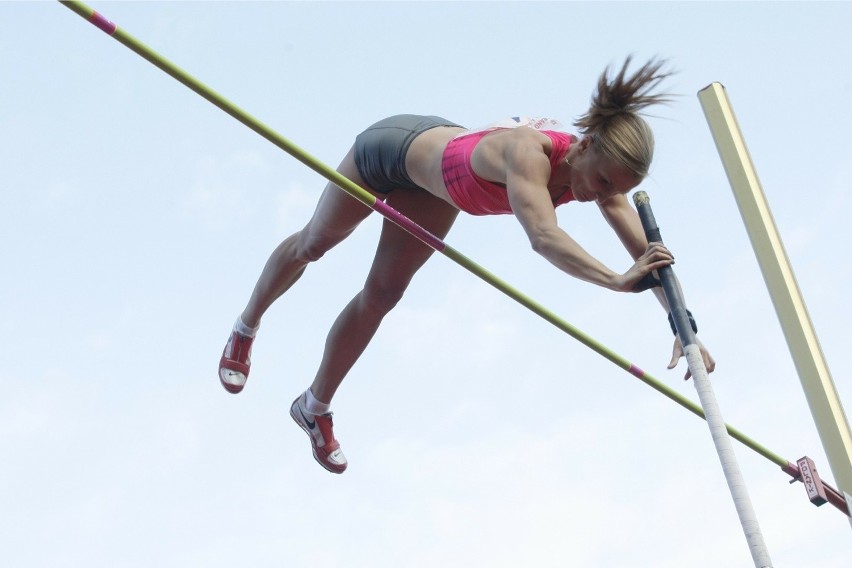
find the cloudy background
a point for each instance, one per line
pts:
(137, 216)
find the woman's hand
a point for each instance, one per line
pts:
(677, 353)
(637, 279)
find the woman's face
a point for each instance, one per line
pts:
(595, 177)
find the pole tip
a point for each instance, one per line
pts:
(640, 198)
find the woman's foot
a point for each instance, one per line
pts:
(319, 428)
(235, 362)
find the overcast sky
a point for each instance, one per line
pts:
(137, 217)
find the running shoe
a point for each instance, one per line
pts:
(235, 362)
(319, 428)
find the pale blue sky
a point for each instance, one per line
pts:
(137, 217)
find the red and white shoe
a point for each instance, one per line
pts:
(320, 429)
(235, 362)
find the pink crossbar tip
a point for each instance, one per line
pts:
(102, 23)
(636, 371)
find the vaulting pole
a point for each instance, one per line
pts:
(701, 380)
(417, 231)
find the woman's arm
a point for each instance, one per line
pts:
(527, 174)
(625, 221)
(528, 171)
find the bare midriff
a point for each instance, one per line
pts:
(423, 161)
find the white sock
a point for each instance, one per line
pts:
(245, 330)
(314, 406)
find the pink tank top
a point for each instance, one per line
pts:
(478, 196)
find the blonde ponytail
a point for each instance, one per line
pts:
(613, 120)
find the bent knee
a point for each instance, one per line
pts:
(310, 250)
(382, 298)
(311, 246)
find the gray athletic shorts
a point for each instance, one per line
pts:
(380, 150)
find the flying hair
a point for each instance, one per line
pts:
(613, 120)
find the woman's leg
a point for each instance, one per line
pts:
(336, 216)
(398, 257)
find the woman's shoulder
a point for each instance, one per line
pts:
(547, 139)
(536, 123)
(502, 142)
(521, 133)
(517, 123)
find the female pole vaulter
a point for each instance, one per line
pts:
(429, 169)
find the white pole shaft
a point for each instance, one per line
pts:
(718, 429)
(725, 450)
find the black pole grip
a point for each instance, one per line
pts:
(677, 305)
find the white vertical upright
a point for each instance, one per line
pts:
(821, 394)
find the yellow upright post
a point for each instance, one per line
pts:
(821, 394)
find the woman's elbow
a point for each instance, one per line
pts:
(540, 242)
